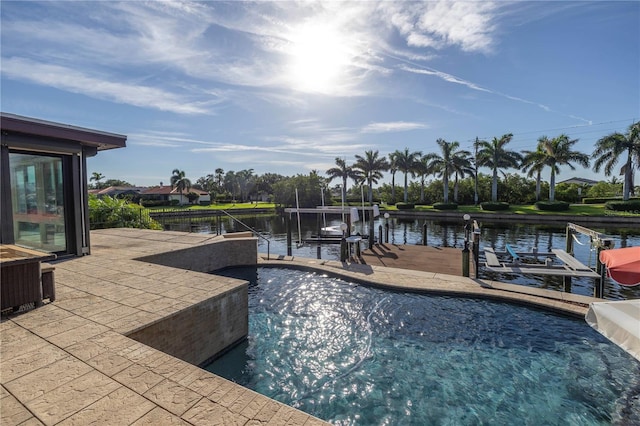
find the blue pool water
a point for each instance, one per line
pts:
(351, 354)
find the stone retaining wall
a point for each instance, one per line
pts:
(201, 331)
(219, 254)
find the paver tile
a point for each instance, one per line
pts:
(28, 360)
(76, 335)
(109, 363)
(85, 349)
(268, 410)
(32, 421)
(288, 416)
(136, 352)
(120, 407)
(19, 341)
(42, 316)
(159, 416)
(242, 401)
(207, 383)
(56, 327)
(43, 380)
(13, 412)
(138, 378)
(172, 397)
(117, 312)
(206, 412)
(255, 406)
(71, 397)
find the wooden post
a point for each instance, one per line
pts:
(344, 250)
(476, 251)
(371, 231)
(380, 240)
(566, 280)
(386, 232)
(598, 288)
(424, 234)
(465, 250)
(287, 220)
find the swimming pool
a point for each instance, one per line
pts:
(351, 354)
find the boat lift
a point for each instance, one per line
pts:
(328, 234)
(557, 262)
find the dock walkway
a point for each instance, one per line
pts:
(441, 260)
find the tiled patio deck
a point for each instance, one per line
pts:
(69, 362)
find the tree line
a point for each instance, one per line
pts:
(449, 166)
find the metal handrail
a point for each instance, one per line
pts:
(256, 232)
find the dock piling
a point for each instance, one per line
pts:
(424, 234)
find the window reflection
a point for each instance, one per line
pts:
(37, 194)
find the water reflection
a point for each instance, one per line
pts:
(521, 236)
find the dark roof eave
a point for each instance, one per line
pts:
(89, 137)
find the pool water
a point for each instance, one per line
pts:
(351, 354)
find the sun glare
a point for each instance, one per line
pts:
(318, 60)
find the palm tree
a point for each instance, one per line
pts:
(245, 181)
(533, 163)
(219, 176)
(494, 156)
(610, 148)
(461, 166)
(406, 163)
(557, 152)
(344, 172)
(476, 143)
(445, 164)
(180, 182)
(371, 167)
(424, 168)
(96, 177)
(393, 168)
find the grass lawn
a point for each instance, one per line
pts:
(574, 210)
(224, 206)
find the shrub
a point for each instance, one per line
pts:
(192, 197)
(405, 206)
(445, 206)
(153, 203)
(493, 206)
(552, 206)
(108, 212)
(600, 200)
(623, 206)
(174, 202)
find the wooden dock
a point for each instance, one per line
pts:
(444, 260)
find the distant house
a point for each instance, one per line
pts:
(117, 191)
(580, 181)
(167, 193)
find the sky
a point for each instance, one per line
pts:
(286, 87)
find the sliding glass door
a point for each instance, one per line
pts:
(38, 201)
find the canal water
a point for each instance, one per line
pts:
(520, 236)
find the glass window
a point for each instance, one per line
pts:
(38, 201)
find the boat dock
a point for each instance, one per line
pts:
(442, 260)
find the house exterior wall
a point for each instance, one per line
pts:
(67, 147)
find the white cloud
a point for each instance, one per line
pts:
(439, 24)
(444, 76)
(75, 81)
(393, 126)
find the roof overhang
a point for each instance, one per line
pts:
(47, 129)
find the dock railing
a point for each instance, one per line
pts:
(249, 228)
